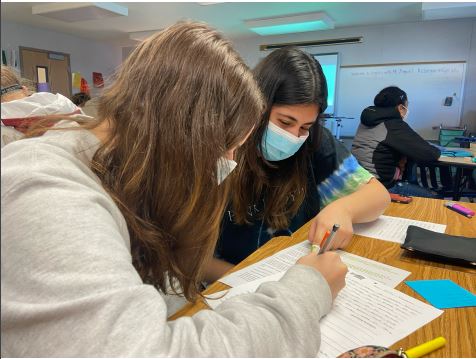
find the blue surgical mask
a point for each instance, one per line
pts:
(224, 168)
(279, 144)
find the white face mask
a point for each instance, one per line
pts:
(404, 118)
(224, 168)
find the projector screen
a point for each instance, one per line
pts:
(330, 66)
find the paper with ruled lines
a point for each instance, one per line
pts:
(283, 260)
(365, 312)
(393, 229)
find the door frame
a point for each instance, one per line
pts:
(21, 48)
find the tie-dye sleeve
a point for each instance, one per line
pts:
(344, 174)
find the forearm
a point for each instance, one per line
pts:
(365, 204)
(216, 269)
(408, 143)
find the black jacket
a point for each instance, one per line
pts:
(383, 138)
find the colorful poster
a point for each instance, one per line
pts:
(84, 86)
(98, 81)
(76, 76)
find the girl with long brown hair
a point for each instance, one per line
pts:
(107, 226)
(293, 170)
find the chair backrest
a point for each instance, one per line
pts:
(432, 176)
(448, 134)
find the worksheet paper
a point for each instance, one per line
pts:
(393, 229)
(283, 260)
(365, 312)
(380, 272)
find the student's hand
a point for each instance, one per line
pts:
(331, 267)
(333, 213)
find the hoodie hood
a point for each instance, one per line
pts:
(372, 115)
(37, 105)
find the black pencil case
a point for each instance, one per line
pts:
(440, 246)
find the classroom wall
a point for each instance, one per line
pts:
(469, 104)
(86, 55)
(425, 41)
(126, 51)
(443, 40)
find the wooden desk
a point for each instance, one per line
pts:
(465, 161)
(459, 163)
(457, 325)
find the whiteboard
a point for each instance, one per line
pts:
(330, 67)
(426, 84)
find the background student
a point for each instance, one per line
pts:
(22, 109)
(384, 142)
(292, 169)
(11, 90)
(103, 230)
(80, 99)
(87, 104)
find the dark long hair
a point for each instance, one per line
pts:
(288, 76)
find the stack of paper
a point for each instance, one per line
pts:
(365, 312)
(283, 260)
(368, 311)
(393, 229)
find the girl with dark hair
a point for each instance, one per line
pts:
(106, 227)
(384, 142)
(292, 169)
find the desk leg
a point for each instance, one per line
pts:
(458, 178)
(338, 129)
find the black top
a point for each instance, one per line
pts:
(334, 173)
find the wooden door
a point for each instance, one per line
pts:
(47, 66)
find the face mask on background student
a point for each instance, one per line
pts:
(224, 168)
(279, 144)
(404, 118)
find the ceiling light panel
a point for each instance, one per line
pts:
(76, 12)
(291, 24)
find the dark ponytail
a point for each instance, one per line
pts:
(390, 97)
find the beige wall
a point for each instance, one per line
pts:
(424, 41)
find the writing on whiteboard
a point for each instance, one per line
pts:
(399, 71)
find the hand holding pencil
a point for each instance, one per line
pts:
(327, 240)
(331, 267)
(328, 263)
(322, 225)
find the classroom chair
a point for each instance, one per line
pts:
(440, 178)
(447, 135)
(431, 176)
